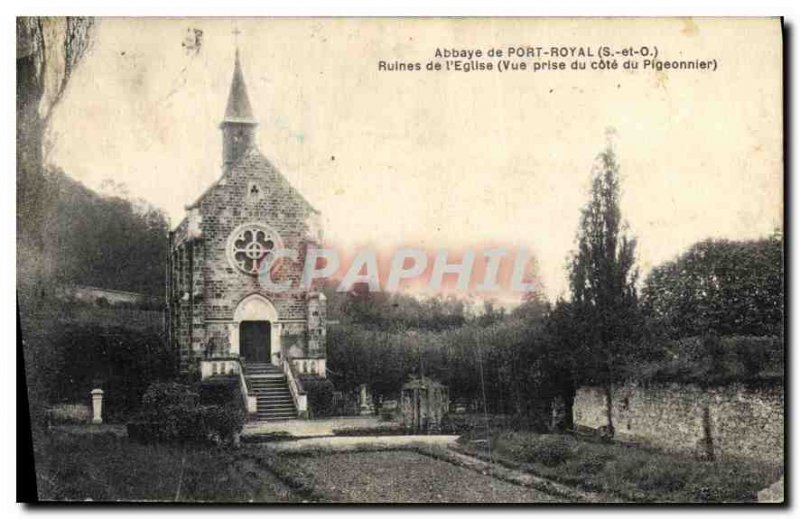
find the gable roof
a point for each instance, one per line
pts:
(254, 161)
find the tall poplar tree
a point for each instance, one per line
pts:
(602, 282)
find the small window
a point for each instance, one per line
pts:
(253, 190)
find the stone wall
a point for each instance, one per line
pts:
(229, 204)
(729, 421)
(205, 289)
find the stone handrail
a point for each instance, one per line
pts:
(250, 402)
(295, 388)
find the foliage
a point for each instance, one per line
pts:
(720, 287)
(713, 361)
(497, 366)
(220, 391)
(551, 451)
(602, 279)
(387, 311)
(107, 468)
(320, 396)
(48, 52)
(119, 360)
(630, 472)
(104, 241)
(172, 412)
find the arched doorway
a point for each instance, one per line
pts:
(255, 332)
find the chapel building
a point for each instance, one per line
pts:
(222, 318)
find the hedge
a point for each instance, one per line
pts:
(173, 412)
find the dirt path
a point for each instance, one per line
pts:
(405, 476)
(349, 443)
(521, 478)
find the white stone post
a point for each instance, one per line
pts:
(365, 403)
(97, 406)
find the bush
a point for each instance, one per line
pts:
(657, 474)
(544, 449)
(549, 450)
(122, 361)
(711, 360)
(319, 392)
(220, 391)
(172, 412)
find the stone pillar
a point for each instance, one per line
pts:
(97, 406)
(365, 401)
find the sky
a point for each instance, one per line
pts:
(443, 159)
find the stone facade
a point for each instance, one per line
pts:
(213, 286)
(424, 403)
(730, 421)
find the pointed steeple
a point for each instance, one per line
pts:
(238, 109)
(238, 126)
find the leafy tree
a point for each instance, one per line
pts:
(103, 241)
(719, 287)
(48, 52)
(504, 364)
(121, 360)
(602, 282)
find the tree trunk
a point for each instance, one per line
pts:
(609, 410)
(569, 400)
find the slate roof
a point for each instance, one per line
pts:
(238, 109)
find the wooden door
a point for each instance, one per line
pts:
(254, 340)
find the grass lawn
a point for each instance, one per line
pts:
(628, 471)
(106, 467)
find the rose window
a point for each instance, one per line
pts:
(252, 245)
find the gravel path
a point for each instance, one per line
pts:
(321, 427)
(349, 443)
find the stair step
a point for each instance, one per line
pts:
(269, 385)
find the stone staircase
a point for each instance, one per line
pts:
(273, 399)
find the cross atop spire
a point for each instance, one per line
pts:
(236, 32)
